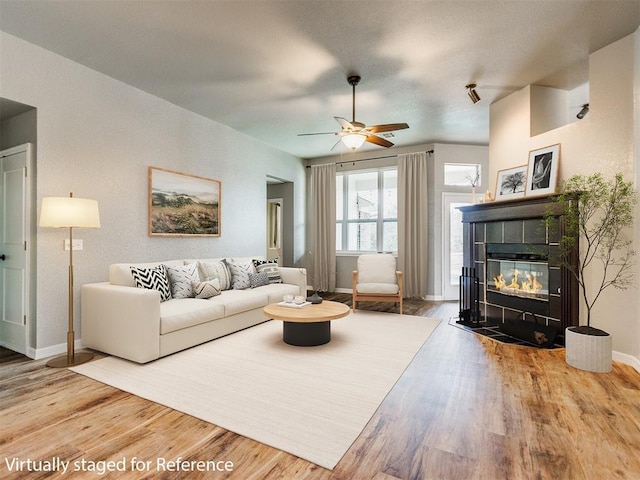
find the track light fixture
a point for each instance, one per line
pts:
(471, 91)
(582, 113)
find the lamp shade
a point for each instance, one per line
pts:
(67, 212)
(354, 140)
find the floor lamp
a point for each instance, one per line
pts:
(69, 212)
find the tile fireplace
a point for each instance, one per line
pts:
(515, 256)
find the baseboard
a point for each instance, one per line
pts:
(14, 348)
(627, 360)
(434, 298)
(53, 350)
(429, 298)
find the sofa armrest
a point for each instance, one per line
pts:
(121, 321)
(295, 276)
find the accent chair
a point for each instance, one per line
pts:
(377, 280)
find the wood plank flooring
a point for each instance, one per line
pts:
(465, 408)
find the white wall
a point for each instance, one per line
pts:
(96, 137)
(606, 140)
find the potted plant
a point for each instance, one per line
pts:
(600, 219)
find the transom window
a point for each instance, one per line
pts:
(367, 211)
(462, 174)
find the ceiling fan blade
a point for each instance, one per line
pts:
(379, 141)
(335, 145)
(319, 133)
(344, 123)
(389, 127)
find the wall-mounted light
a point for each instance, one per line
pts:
(582, 113)
(471, 91)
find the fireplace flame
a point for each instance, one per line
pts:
(530, 284)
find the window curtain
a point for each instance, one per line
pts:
(323, 194)
(412, 223)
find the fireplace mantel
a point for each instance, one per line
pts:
(521, 222)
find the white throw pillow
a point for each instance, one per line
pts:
(219, 270)
(181, 279)
(240, 274)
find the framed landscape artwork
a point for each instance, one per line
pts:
(511, 183)
(183, 205)
(542, 171)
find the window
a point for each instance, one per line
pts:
(367, 211)
(462, 174)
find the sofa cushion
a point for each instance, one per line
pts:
(270, 268)
(153, 279)
(207, 289)
(377, 288)
(210, 269)
(179, 313)
(240, 274)
(181, 280)
(275, 291)
(238, 301)
(377, 268)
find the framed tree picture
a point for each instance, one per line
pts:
(511, 183)
(542, 171)
(183, 205)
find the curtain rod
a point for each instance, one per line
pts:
(368, 159)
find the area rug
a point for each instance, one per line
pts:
(312, 402)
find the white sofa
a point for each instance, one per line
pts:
(123, 320)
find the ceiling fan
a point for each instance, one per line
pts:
(354, 134)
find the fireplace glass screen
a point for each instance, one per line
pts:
(518, 278)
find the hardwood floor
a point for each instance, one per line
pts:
(465, 408)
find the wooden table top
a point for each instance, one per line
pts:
(321, 312)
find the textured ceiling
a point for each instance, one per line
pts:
(273, 69)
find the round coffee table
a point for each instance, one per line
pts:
(307, 326)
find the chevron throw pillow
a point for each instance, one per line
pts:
(153, 279)
(181, 280)
(207, 289)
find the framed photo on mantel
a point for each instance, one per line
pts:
(182, 205)
(511, 183)
(542, 171)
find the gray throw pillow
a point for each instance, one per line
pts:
(258, 279)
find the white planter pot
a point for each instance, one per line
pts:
(592, 353)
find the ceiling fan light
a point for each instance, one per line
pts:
(353, 140)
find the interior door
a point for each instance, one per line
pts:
(14, 233)
(452, 242)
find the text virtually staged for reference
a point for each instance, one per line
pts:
(102, 467)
